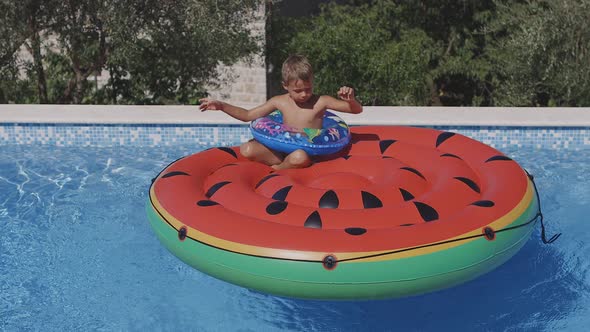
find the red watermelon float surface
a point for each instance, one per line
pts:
(401, 211)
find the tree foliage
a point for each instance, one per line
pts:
(155, 51)
(447, 52)
(540, 53)
(352, 46)
(394, 52)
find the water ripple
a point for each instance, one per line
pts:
(77, 253)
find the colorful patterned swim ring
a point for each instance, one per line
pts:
(271, 132)
(404, 211)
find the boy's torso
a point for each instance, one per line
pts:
(308, 115)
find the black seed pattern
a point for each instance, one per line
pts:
(370, 201)
(355, 231)
(443, 137)
(406, 195)
(282, 193)
(450, 155)
(228, 150)
(347, 157)
(276, 207)
(413, 170)
(226, 165)
(483, 203)
(470, 183)
(495, 158)
(405, 225)
(427, 212)
(264, 179)
(174, 173)
(358, 137)
(383, 145)
(206, 202)
(215, 187)
(313, 221)
(329, 200)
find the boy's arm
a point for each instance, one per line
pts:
(236, 112)
(346, 104)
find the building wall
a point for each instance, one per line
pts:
(244, 83)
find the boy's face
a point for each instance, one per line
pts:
(300, 91)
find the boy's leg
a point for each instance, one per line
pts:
(296, 159)
(256, 151)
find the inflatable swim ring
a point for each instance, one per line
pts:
(404, 211)
(271, 131)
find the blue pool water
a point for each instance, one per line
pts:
(77, 253)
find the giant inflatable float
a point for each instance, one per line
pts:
(399, 211)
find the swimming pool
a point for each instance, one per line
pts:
(77, 253)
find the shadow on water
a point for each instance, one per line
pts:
(537, 286)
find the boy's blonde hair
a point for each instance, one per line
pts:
(297, 67)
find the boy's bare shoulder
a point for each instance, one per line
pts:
(279, 99)
(282, 102)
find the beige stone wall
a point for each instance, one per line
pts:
(244, 83)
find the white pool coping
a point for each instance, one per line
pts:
(372, 115)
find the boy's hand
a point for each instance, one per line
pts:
(346, 93)
(210, 104)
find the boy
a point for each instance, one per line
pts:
(300, 109)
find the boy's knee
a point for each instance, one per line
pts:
(247, 150)
(299, 158)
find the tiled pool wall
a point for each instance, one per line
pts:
(208, 135)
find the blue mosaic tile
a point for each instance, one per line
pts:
(527, 137)
(228, 135)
